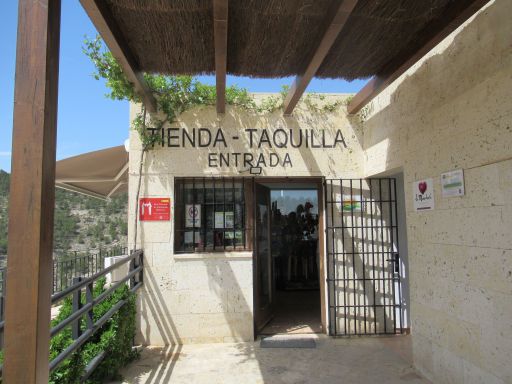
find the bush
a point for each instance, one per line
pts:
(115, 338)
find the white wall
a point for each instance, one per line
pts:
(454, 110)
(208, 297)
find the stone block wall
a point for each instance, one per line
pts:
(453, 110)
(208, 297)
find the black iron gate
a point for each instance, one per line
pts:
(363, 265)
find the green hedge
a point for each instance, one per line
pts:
(115, 337)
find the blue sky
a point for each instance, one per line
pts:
(87, 120)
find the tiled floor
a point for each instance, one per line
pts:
(296, 312)
(347, 361)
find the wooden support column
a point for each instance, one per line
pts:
(220, 28)
(32, 193)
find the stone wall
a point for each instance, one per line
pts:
(208, 297)
(453, 110)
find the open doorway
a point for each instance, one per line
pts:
(287, 258)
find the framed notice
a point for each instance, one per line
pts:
(423, 195)
(452, 183)
(224, 219)
(155, 209)
(351, 203)
(192, 215)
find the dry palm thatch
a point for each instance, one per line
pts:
(275, 38)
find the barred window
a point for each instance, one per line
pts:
(210, 214)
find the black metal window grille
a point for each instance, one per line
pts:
(210, 215)
(363, 265)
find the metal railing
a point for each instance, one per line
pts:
(77, 264)
(80, 309)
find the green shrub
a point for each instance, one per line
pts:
(115, 338)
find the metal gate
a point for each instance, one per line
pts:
(363, 265)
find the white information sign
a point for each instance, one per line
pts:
(452, 183)
(224, 219)
(192, 215)
(423, 195)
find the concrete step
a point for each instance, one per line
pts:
(289, 341)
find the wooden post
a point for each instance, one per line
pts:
(32, 193)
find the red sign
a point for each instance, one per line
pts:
(155, 209)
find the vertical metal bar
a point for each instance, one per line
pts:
(343, 254)
(242, 202)
(90, 313)
(214, 212)
(183, 202)
(234, 210)
(334, 257)
(363, 239)
(391, 255)
(372, 226)
(328, 277)
(383, 255)
(224, 213)
(194, 210)
(204, 209)
(61, 275)
(399, 279)
(131, 268)
(77, 304)
(352, 229)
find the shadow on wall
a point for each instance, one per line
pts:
(408, 122)
(363, 240)
(167, 300)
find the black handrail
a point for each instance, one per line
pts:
(135, 279)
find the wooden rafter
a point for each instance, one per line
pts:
(220, 28)
(432, 36)
(102, 18)
(301, 82)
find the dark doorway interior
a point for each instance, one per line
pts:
(294, 251)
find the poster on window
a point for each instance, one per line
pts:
(351, 203)
(423, 194)
(192, 215)
(192, 237)
(224, 219)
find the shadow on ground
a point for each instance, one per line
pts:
(355, 360)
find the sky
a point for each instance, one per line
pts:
(87, 120)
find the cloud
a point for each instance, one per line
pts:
(5, 153)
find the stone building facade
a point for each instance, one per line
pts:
(452, 110)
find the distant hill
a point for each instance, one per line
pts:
(81, 222)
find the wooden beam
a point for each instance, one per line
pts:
(32, 193)
(301, 82)
(431, 36)
(220, 28)
(106, 25)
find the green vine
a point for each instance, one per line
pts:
(176, 94)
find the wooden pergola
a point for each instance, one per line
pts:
(306, 38)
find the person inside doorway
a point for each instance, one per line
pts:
(294, 248)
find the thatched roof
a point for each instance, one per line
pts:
(274, 38)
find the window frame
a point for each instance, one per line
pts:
(198, 183)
